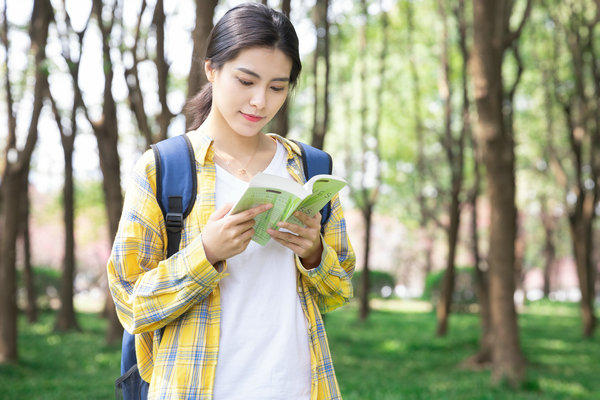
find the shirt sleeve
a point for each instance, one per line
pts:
(150, 291)
(330, 283)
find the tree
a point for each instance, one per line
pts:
(153, 129)
(454, 146)
(66, 319)
(578, 97)
(106, 131)
(321, 79)
(280, 123)
(367, 194)
(15, 177)
(204, 22)
(492, 37)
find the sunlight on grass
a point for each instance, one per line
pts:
(394, 355)
(568, 389)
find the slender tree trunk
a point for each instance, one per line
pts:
(549, 247)
(491, 38)
(107, 134)
(321, 83)
(205, 10)
(582, 234)
(66, 319)
(454, 155)
(426, 235)
(162, 68)
(15, 179)
(28, 275)
(280, 123)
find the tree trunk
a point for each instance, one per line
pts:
(549, 247)
(321, 83)
(426, 235)
(15, 177)
(445, 300)
(280, 123)
(454, 154)
(497, 146)
(162, 70)
(28, 275)
(107, 134)
(205, 10)
(582, 237)
(66, 319)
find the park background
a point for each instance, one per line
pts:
(469, 132)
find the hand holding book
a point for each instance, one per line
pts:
(287, 197)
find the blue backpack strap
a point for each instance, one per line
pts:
(176, 194)
(175, 185)
(315, 162)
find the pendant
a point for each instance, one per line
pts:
(242, 171)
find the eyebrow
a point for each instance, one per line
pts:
(247, 71)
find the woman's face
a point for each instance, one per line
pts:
(249, 89)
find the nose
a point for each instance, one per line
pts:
(258, 98)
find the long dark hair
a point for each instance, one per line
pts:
(245, 26)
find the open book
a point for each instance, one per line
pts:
(287, 196)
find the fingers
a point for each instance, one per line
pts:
(251, 213)
(314, 221)
(221, 212)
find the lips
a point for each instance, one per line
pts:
(251, 117)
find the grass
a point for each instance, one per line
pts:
(395, 355)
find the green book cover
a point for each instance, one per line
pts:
(287, 196)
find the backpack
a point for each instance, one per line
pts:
(176, 188)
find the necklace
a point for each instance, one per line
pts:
(228, 161)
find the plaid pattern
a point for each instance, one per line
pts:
(181, 294)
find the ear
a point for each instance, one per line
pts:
(209, 71)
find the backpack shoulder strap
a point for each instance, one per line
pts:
(315, 162)
(175, 185)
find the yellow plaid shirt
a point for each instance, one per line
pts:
(181, 293)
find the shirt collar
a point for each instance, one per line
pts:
(204, 151)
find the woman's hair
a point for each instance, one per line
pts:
(242, 27)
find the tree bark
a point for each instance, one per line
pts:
(28, 276)
(15, 177)
(491, 38)
(107, 134)
(321, 83)
(205, 10)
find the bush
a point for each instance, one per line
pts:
(464, 287)
(46, 284)
(378, 281)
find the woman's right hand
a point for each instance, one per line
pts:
(225, 236)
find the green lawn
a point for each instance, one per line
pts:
(395, 355)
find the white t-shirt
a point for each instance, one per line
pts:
(264, 349)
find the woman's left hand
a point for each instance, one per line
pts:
(304, 241)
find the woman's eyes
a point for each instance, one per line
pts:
(249, 83)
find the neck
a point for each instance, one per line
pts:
(227, 140)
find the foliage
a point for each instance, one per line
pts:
(395, 355)
(377, 280)
(46, 283)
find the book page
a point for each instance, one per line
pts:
(283, 205)
(324, 187)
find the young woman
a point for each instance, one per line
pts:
(233, 319)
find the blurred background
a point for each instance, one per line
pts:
(469, 132)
